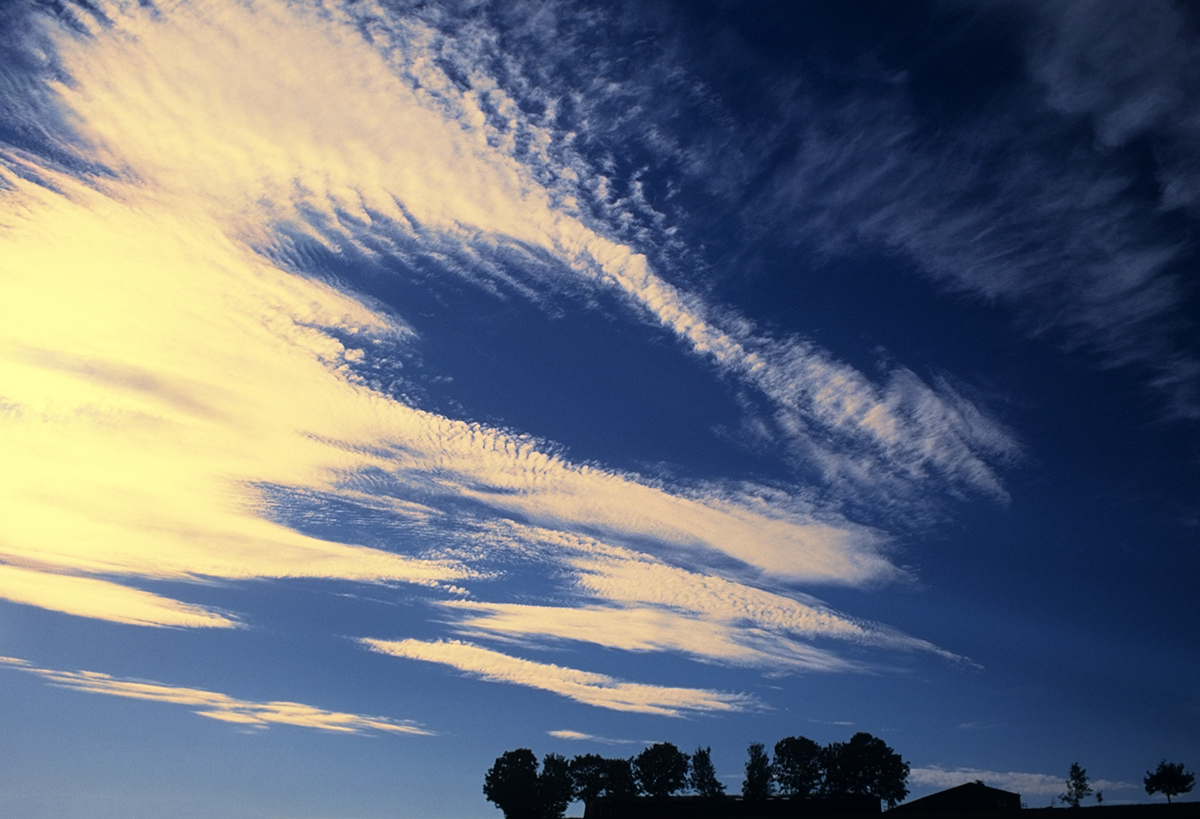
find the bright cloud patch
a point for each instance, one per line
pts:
(218, 706)
(582, 686)
(165, 365)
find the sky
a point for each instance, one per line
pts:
(386, 385)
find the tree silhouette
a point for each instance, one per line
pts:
(703, 777)
(593, 776)
(619, 782)
(517, 788)
(797, 766)
(1077, 786)
(757, 784)
(1169, 779)
(661, 769)
(554, 787)
(589, 775)
(512, 783)
(864, 766)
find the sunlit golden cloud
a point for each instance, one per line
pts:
(218, 706)
(161, 361)
(582, 686)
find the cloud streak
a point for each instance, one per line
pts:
(578, 736)
(1026, 784)
(586, 687)
(219, 706)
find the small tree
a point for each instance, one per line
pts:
(1169, 779)
(797, 766)
(1077, 786)
(661, 769)
(757, 784)
(703, 777)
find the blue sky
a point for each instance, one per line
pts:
(387, 385)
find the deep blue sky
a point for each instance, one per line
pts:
(387, 385)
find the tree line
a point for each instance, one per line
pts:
(863, 766)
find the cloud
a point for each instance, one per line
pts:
(219, 706)
(619, 598)
(1002, 199)
(181, 427)
(643, 629)
(1026, 784)
(293, 148)
(577, 736)
(582, 686)
(147, 412)
(104, 600)
(627, 578)
(1132, 67)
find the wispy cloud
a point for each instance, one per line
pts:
(218, 706)
(1026, 784)
(620, 598)
(152, 422)
(289, 148)
(578, 736)
(582, 686)
(644, 629)
(1133, 68)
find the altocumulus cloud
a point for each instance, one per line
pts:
(143, 413)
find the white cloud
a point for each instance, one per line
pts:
(578, 736)
(218, 706)
(644, 629)
(145, 408)
(1026, 784)
(587, 687)
(146, 412)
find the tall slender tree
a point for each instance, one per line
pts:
(757, 785)
(703, 777)
(1077, 786)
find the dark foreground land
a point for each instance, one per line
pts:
(686, 809)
